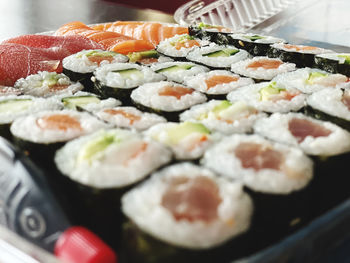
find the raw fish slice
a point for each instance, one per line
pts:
(18, 61)
(150, 31)
(65, 44)
(109, 40)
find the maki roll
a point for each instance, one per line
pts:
(224, 116)
(13, 107)
(334, 62)
(257, 45)
(129, 117)
(177, 71)
(179, 46)
(147, 57)
(269, 97)
(217, 56)
(80, 66)
(184, 213)
(330, 104)
(217, 84)
(46, 84)
(214, 33)
(314, 137)
(188, 140)
(261, 68)
(302, 56)
(87, 101)
(309, 80)
(119, 79)
(260, 164)
(168, 99)
(99, 168)
(41, 134)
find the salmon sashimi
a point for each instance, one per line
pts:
(131, 117)
(346, 99)
(19, 61)
(301, 128)
(175, 91)
(61, 122)
(67, 45)
(111, 41)
(257, 156)
(219, 79)
(265, 63)
(192, 199)
(150, 31)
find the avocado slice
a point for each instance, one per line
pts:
(182, 130)
(222, 106)
(99, 53)
(313, 76)
(81, 101)
(175, 68)
(227, 52)
(129, 72)
(136, 56)
(347, 58)
(235, 109)
(99, 144)
(15, 105)
(269, 90)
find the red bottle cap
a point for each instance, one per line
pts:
(79, 245)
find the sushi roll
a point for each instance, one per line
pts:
(99, 168)
(309, 80)
(165, 98)
(185, 213)
(334, 63)
(314, 137)
(7, 91)
(147, 57)
(214, 33)
(119, 79)
(46, 84)
(261, 68)
(260, 164)
(257, 45)
(302, 56)
(217, 56)
(223, 116)
(269, 97)
(85, 101)
(41, 134)
(129, 117)
(177, 71)
(188, 140)
(179, 46)
(216, 84)
(13, 107)
(330, 104)
(81, 65)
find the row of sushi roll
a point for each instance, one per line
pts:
(209, 147)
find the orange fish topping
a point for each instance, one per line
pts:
(61, 122)
(299, 48)
(257, 156)
(58, 87)
(175, 91)
(141, 148)
(219, 79)
(192, 199)
(186, 44)
(265, 63)
(99, 59)
(132, 117)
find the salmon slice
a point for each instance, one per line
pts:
(192, 199)
(219, 79)
(98, 59)
(265, 63)
(301, 128)
(187, 43)
(346, 99)
(299, 48)
(257, 156)
(175, 91)
(111, 41)
(61, 122)
(131, 117)
(150, 31)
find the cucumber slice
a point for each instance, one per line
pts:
(222, 106)
(129, 73)
(347, 58)
(175, 68)
(136, 56)
(227, 52)
(182, 130)
(81, 101)
(313, 76)
(269, 90)
(254, 37)
(15, 105)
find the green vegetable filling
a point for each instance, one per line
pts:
(254, 37)
(227, 52)
(313, 76)
(81, 101)
(175, 68)
(15, 105)
(347, 58)
(129, 72)
(182, 130)
(182, 39)
(98, 53)
(136, 56)
(270, 90)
